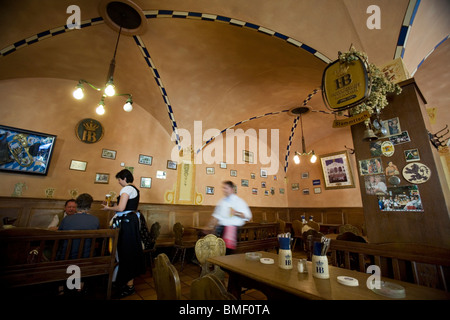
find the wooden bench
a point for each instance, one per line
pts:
(31, 256)
(410, 262)
(256, 237)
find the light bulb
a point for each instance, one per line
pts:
(127, 107)
(78, 93)
(100, 109)
(313, 158)
(296, 159)
(109, 90)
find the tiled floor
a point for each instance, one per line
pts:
(145, 287)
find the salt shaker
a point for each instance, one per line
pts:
(301, 266)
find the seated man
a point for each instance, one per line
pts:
(81, 220)
(69, 208)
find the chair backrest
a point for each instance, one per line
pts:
(154, 233)
(178, 230)
(209, 287)
(314, 225)
(167, 280)
(349, 228)
(308, 238)
(282, 226)
(209, 246)
(350, 236)
(297, 226)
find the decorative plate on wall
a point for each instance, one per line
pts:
(416, 173)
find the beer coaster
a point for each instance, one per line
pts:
(267, 260)
(348, 281)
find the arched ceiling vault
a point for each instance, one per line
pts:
(206, 65)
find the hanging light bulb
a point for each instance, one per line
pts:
(100, 108)
(128, 106)
(296, 159)
(313, 158)
(110, 90)
(78, 93)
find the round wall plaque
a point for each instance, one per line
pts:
(387, 148)
(416, 173)
(89, 130)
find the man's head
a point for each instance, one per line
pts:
(70, 207)
(84, 201)
(228, 188)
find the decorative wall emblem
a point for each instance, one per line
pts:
(416, 173)
(89, 130)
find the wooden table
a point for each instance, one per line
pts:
(277, 283)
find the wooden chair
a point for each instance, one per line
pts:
(180, 245)
(167, 280)
(354, 257)
(151, 249)
(349, 228)
(314, 225)
(208, 247)
(281, 226)
(297, 227)
(209, 287)
(308, 238)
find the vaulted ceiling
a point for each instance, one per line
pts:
(223, 61)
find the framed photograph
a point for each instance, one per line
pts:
(263, 184)
(392, 126)
(401, 198)
(244, 182)
(295, 186)
(78, 165)
(247, 156)
(317, 190)
(263, 173)
(24, 151)
(143, 159)
(266, 192)
(223, 165)
(252, 176)
(375, 148)
(172, 165)
(255, 191)
(412, 155)
(209, 190)
(336, 170)
(400, 138)
(281, 190)
(375, 184)
(305, 175)
(305, 192)
(210, 170)
(316, 182)
(272, 191)
(370, 166)
(109, 154)
(161, 174)
(233, 173)
(146, 182)
(102, 178)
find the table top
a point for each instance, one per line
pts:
(306, 286)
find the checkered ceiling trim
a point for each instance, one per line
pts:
(406, 28)
(429, 53)
(160, 84)
(47, 34)
(234, 22)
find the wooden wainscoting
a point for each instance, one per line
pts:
(31, 212)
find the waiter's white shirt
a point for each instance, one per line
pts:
(223, 208)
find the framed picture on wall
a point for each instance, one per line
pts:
(263, 173)
(146, 182)
(244, 182)
(102, 178)
(336, 170)
(210, 190)
(233, 173)
(143, 159)
(109, 154)
(24, 151)
(223, 165)
(78, 165)
(172, 165)
(210, 170)
(247, 156)
(255, 191)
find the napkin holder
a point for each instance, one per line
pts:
(319, 263)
